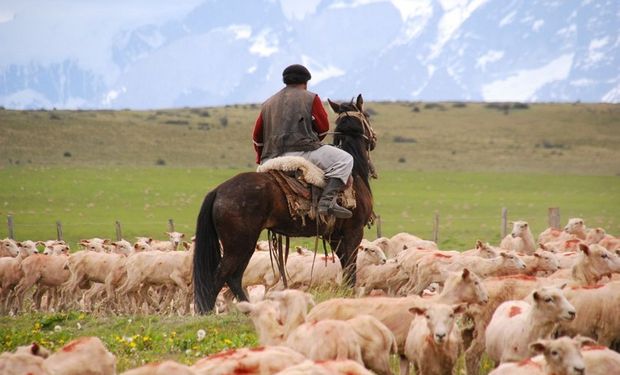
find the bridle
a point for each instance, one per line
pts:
(369, 134)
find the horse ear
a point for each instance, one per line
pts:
(360, 103)
(335, 107)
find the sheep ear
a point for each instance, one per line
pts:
(583, 247)
(360, 248)
(542, 246)
(465, 273)
(536, 296)
(34, 349)
(335, 107)
(503, 254)
(405, 247)
(538, 346)
(563, 285)
(585, 341)
(245, 307)
(460, 308)
(537, 255)
(479, 244)
(186, 245)
(417, 310)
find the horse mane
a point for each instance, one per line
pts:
(350, 138)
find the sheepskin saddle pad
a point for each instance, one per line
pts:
(302, 183)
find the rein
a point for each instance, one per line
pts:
(369, 134)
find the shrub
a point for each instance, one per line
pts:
(402, 160)
(160, 161)
(224, 121)
(67, 154)
(401, 139)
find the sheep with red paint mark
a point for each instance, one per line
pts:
(305, 269)
(161, 368)
(593, 263)
(434, 342)
(261, 360)
(516, 324)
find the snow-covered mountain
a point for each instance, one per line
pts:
(233, 51)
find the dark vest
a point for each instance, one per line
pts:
(287, 123)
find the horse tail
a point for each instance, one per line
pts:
(207, 257)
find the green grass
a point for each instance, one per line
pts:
(88, 201)
(134, 340)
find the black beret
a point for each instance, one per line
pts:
(294, 74)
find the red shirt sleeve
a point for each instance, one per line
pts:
(257, 137)
(320, 121)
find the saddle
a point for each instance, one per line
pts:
(302, 183)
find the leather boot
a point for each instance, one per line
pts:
(328, 203)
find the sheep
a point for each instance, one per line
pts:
(158, 268)
(403, 241)
(381, 277)
(85, 355)
(516, 324)
(346, 367)
(161, 368)
(45, 271)
(600, 360)
(91, 266)
(261, 360)
(368, 264)
(559, 357)
(597, 313)
(172, 244)
(592, 265)
(11, 273)
(98, 245)
(409, 259)
(122, 247)
(433, 344)
(324, 340)
(500, 289)
(599, 236)
(393, 312)
(482, 250)
(304, 270)
(293, 306)
(8, 248)
(540, 263)
(574, 228)
(431, 269)
(332, 339)
(21, 363)
(261, 270)
(520, 239)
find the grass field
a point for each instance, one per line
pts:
(88, 201)
(463, 160)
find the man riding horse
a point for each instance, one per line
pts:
(293, 122)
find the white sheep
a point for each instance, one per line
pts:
(434, 342)
(262, 360)
(520, 240)
(516, 324)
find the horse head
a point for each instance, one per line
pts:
(354, 134)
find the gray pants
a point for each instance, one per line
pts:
(332, 160)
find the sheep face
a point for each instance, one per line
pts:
(467, 286)
(486, 250)
(440, 319)
(563, 356)
(601, 259)
(266, 318)
(519, 229)
(547, 261)
(175, 238)
(372, 254)
(552, 304)
(575, 225)
(9, 247)
(512, 262)
(595, 235)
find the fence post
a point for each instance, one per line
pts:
(119, 233)
(554, 217)
(504, 227)
(11, 226)
(378, 221)
(59, 236)
(436, 227)
(170, 225)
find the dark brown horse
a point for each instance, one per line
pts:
(234, 214)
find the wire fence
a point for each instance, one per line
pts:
(438, 227)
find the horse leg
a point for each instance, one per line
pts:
(346, 246)
(234, 264)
